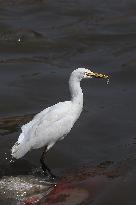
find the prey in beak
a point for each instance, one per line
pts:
(96, 75)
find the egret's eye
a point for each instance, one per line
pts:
(88, 74)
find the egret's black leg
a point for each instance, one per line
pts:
(45, 169)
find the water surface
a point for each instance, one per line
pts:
(41, 42)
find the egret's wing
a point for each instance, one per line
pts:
(25, 128)
(47, 116)
(47, 133)
(31, 125)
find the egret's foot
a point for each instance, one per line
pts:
(46, 171)
(49, 175)
(51, 178)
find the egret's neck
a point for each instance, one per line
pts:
(76, 91)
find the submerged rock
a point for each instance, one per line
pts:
(22, 188)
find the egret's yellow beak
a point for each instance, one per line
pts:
(96, 75)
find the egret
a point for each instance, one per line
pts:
(55, 122)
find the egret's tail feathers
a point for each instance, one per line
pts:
(19, 150)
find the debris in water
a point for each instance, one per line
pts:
(108, 81)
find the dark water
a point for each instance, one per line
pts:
(41, 42)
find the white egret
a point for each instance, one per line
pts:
(55, 122)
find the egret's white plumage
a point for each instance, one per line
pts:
(55, 122)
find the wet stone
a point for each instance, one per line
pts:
(21, 187)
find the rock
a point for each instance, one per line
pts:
(24, 188)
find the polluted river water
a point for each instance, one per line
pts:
(41, 43)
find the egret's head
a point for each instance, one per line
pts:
(81, 73)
